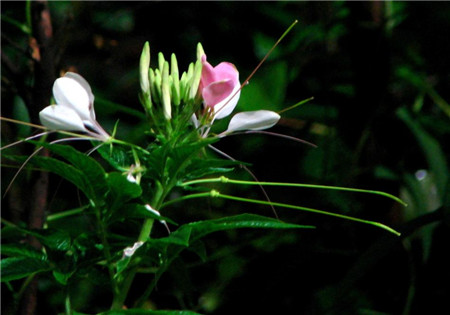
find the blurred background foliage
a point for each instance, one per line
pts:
(379, 75)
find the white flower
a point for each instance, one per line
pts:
(75, 107)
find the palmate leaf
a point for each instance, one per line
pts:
(83, 171)
(22, 250)
(121, 190)
(117, 156)
(192, 232)
(66, 171)
(170, 247)
(88, 166)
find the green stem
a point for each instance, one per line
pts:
(67, 304)
(125, 285)
(226, 180)
(60, 215)
(106, 249)
(215, 193)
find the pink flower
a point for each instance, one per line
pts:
(220, 87)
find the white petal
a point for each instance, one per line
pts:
(226, 107)
(255, 120)
(82, 81)
(69, 92)
(58, 117)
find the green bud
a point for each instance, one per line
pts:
(175, 80)
(183, 86)
(165, 89)
(155, 88)
(196, 79)
(189, 76)
(161, 61)
(200, 51)
(144, 65)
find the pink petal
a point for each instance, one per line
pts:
(216, 92)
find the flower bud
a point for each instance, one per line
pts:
(200, 51)
(195, 80)
(144, 65)
(175, 80)
(165, 90)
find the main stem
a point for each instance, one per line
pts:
(125, 285)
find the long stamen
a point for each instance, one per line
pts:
(19, 170)
(259, 65)
(26, 139)
(37, 151)
(269, 133)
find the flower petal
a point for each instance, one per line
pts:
(224, 108)
(218, 85)
(216, 92)
(255, 120)
(71, 91)
(57, 117)
(82, 81)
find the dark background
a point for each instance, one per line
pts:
(379, 75)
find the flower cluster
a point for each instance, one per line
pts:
(208, 92)
(216, 88)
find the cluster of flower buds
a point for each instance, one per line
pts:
(164, 87)
(217, 88)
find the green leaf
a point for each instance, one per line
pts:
(202, 167)
(51, 238)
(116, 156)
(66, 171)
(121, 190)
(253, 221)
(20, 112)
(14, 268)
(54, 239)
(431, 149)
(22, 250)
(171, 246)
(137, 211)
(90, 168)
(62, 277)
